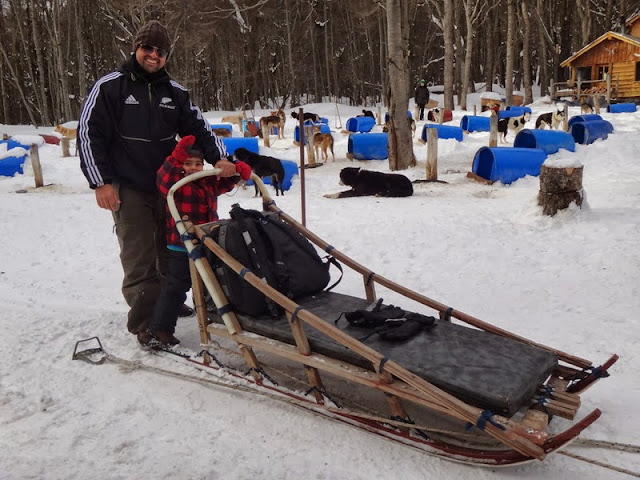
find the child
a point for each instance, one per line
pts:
(197, 200)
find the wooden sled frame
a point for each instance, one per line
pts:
(523, 440)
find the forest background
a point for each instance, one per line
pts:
(229, 53)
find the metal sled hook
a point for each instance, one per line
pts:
(88, 352)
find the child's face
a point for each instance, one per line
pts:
(192, 165)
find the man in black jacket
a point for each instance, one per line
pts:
(421, 97)
(128, 126)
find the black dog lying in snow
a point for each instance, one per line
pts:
(263, 166)
(365, 182)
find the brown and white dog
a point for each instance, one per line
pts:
(585, 108)
(71, 134)
(276, 119)
(412, 124)
(235, 118)
(324, 142)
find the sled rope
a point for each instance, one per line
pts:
(600, 464)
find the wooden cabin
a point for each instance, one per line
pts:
(607, 67)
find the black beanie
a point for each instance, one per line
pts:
(152, 33)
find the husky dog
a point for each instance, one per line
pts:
(263, 166)
(514, 124)
(552, 119)
(314, 117)
(234, 119)
(412, 124)
(365, 182)
(323, 141)
(585, 108)
(276, 119)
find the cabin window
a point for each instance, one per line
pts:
(637, 71)
(603, 72)
(583, 73)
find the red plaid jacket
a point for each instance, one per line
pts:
(198, 199)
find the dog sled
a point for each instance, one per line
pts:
(459, 387)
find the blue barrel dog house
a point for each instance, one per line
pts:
(548, 140)
(475, 123)
(621, 107)
(509, 113)
(360, 124)
(226, 126)
(507, 164)
(521, 109)
(368, 146)
(584, 118)
(290, 170)
(444, 132)
(250, 143)
(12, 164)
(588, 132)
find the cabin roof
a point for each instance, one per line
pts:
(607, 36)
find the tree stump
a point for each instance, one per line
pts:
(559, 187)
(64, 144)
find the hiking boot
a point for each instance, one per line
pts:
(165, 337)
(186, 311)
(145, 338)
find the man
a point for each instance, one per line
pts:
(128, 126)
(421, 97)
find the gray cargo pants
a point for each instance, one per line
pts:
(140, 228)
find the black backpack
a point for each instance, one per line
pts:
(275, 252)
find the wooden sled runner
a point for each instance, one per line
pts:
(467, 391)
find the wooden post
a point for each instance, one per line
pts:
(379, 119)
(475, 109)
(302, 182)
(265, 135)
(552, 87)
(35, 163)
(559, 187)
(432, 153)
(609, 87)
(441, 116)
(493, 129)
(578, 94)
(64, 144)
(565, 122)
(596, 104)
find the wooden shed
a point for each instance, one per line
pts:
(609, 67)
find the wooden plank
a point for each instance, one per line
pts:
(305, 349)
(197, 286)
(35, 163)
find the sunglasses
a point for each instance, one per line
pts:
(149, 49)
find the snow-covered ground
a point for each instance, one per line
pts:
(570, 281)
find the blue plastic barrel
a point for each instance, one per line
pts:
(475, 123)
(324, 120)
(386, 116)
(584, 118)
(324, 128)
(14, 144)
(507, 164)
(231, 143)
(586, 133)
(444, 131)
(516, 108)
(290, 169)
(226, 126)
(548, 140)
(368, 146)
(9, 166)
(360, 124)
(621, 107)
(509, 113)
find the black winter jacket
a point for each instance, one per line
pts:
(421, 95)
(129, 123)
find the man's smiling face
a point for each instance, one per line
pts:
(150, 60)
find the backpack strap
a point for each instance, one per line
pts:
(256, 250)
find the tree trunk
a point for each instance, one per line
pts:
(448, 55)
(542, 47)
(526, 55)
(508, 70)
(400, 141)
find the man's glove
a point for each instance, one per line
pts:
(180, 153)
(244, 170)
